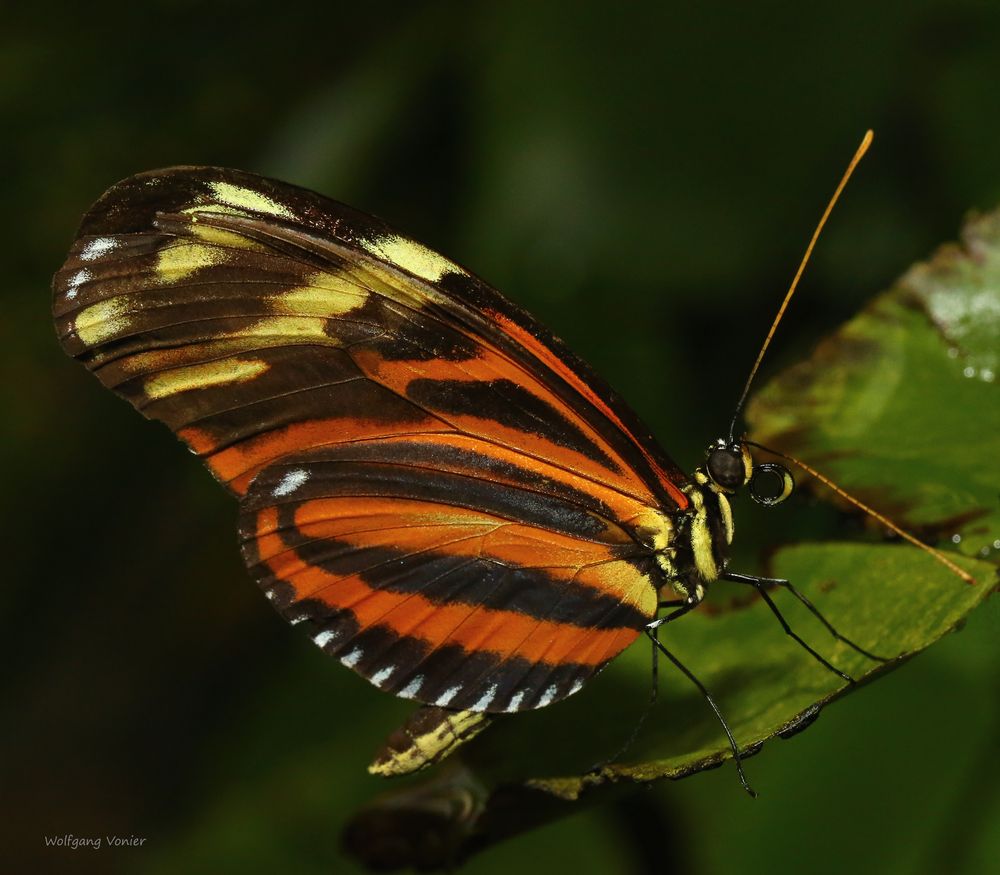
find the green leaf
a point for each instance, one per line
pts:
(900, 407)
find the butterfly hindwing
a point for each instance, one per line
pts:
(426, 473)
(440, 586)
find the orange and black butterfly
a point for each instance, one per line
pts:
(433, 486)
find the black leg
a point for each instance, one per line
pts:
(788, 631)
(651, 632)
(759, 582)
(683, 607)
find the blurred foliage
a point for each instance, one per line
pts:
(643, 178)
(915, 372)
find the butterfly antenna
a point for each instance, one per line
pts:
(884, 520)
(866, 141)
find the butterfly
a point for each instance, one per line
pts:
(430, 483)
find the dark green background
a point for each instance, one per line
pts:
(643, 179)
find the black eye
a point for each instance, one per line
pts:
(771, 483)
(725, 467)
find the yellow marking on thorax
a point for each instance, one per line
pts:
(701, 539)
(411, 256)
(725, 508)
(102, 320)
(248, 199)
(727, 517)
(666, 565)
(200, 376)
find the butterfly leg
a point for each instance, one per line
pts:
(658, 645)
(682, 607)
(759, 583)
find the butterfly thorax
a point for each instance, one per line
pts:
(704, 534)
(704, 530)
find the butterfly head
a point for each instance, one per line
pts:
(701, 551)
(730, 467)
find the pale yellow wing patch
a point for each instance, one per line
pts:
(412, 257)
(247, 199)
(218, 373)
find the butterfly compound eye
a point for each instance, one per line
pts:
(726, 467)
(771, 483)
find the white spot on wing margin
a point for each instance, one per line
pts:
(325, 637)
(353, 657)
(73, 286)
(290, 482)
(413, 687)
(447, 696)
(382, 675)
(485, 699)
(515, 701)
(97, 247)
(548, 696)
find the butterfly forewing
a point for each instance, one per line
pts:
(463, 513)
